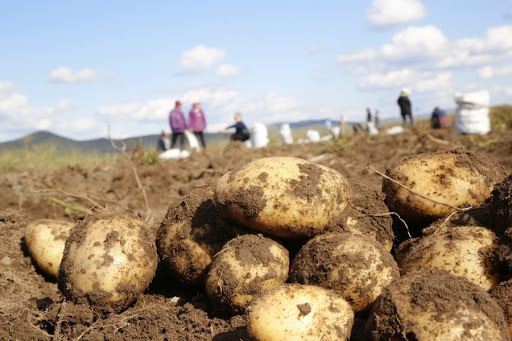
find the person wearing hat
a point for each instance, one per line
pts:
(197, 122)
(164, 143)
(178, 125)
(405, 106)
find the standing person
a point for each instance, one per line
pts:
(178, 125)
(377, 120)
(241, 133)
(197, 122)
(405, 106)
(368, 119)
(164, 142)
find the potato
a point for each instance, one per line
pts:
(464, 251)
(246, 266)
(45, 240)
(433, 305)
(357, 267)
(283, 196)
(456, 177)
(367, 215)
(190, 235)
(501, 206)
(109, 260)
(299, 312)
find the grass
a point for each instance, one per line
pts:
(46, 157)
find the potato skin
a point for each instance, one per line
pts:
(246, 266)
(455, 177)
(283, 196)
(109, 260)
(464, 251)
(45, 240)
(357, 267)
(435, 305)
(190, 235)
(299, 312)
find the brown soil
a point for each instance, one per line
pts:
(33, 308)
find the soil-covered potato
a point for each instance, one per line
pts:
(283, 196)
(464, 251)
(246, 266)
(435, 305)
(191, 233)
(456, 177)
(355, 266)
(109, 260)
(502, 293)
(299, 312)
(367, 214)
(45, 240)
(501, 206)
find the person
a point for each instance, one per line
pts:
(377, 120)
(178, 125)
(439, 119)
(368, 119)
(164, 143)
(241, 132)
(197, 122)
(405, 106)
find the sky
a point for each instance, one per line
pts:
(89, 69)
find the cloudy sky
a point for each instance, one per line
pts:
(76, 68)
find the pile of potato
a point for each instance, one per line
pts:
(304, 254)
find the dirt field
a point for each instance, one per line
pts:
(32, 307)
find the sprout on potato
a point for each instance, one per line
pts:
(464, 251)
(109, 260)
(45, 240)
(299, 312)
(453, 178)
(435, 305)
(357, 267)
(283, 196)
(192, 232)
(246, 266)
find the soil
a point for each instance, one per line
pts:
(33, 308)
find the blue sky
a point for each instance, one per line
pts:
(77, 68)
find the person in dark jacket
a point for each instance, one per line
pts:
(241, 132)
(178, 125)
(440, 119)
(164, 142)
(405, 107)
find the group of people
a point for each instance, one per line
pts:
(196, 124)
(439, 118)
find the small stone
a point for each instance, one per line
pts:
(6, 260)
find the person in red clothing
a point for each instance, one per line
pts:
(178, 125)
(197, 122)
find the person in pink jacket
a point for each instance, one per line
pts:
(197, 122)
(178, 125)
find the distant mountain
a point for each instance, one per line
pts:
(101, 146)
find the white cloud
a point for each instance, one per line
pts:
(488, 71)
(227, 70)
(419, 81)
(428, 47)
(315, 48)
(65, 74)
(17, 114)
(386, 13)
(417, 43)
(151, 110)
(201, 58)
